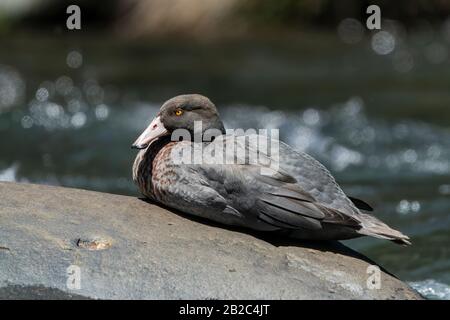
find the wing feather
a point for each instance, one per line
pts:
(298, 193)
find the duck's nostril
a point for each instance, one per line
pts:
(155, 126)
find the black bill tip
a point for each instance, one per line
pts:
(139, 147)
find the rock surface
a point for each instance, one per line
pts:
(127, 248)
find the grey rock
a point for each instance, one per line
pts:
(127, 248)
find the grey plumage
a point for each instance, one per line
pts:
(299, 195)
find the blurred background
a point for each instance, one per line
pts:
(372, 105)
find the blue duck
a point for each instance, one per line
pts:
(299, 196)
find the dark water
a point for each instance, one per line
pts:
(380, 124)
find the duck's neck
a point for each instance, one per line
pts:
(143, 165)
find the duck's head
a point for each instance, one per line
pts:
(181, 112)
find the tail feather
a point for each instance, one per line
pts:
(371, 226)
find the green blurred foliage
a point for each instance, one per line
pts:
(5, 24)
(328, 13)
(98, 15)
(282, 12)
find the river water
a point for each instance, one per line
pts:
(70, 109)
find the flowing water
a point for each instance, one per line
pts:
(70, 109)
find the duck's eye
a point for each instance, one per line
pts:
(178, 112)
